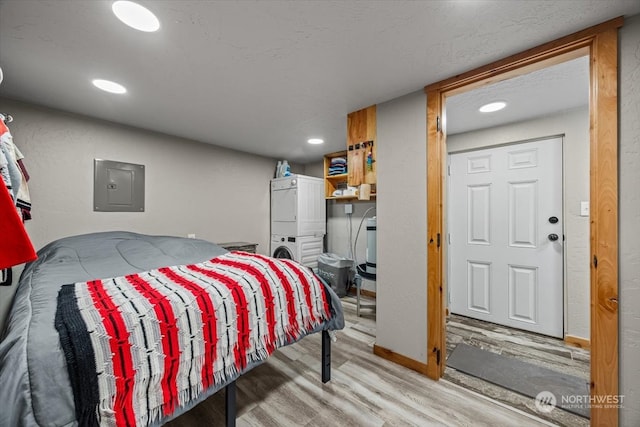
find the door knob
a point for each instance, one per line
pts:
(553, 220)
(553, 237)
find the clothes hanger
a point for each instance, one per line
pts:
(5, 117)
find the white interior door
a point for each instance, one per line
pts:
(506, 235)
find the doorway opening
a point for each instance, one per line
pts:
(510, 298)
(517, 240)
(599, 43)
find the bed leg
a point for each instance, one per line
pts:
(326, 356)
(230, 404)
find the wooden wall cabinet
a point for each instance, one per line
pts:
(361, 144)
(360, 154)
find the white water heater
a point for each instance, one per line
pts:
(371, 246)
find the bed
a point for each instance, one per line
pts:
(43, 358)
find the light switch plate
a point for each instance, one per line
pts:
(584, 208)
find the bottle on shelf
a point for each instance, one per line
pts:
(286, 169)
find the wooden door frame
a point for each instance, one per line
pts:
(600, 43)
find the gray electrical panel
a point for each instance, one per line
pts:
(117, 186)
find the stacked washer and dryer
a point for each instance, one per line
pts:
(298, 218)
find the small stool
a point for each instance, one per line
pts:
(361, 274)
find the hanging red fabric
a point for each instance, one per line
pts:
(15, 245)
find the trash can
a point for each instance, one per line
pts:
(336, 271)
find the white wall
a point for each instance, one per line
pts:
(574, 125)
(338, 232)
(218, 194)
(314, 169)
(629, 204)
(402, 226)
(337, 239)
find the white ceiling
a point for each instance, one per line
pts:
(263, 76)
(544, 92)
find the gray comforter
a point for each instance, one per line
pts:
(34, 383)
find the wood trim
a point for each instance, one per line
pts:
(524, 62)
(398, 358)
(601, 44)
(577, 341)
(436, 323)
(604, 223)
(363, 292)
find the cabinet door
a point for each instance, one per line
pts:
(361, 127)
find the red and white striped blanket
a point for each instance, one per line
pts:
(140, 346)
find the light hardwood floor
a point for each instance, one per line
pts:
(551, 353)
(364, 390)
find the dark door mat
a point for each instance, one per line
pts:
(522, 377)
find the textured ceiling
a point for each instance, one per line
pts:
(263, 76)
(557, 88)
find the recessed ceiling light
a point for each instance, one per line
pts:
(316, 141)
(135, 16)
(492, 106)
(109, 86)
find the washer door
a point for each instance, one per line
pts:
(282, 252)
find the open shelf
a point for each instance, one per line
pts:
(360, 153)
(372, 196)
(334, 182)
(339, 177)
